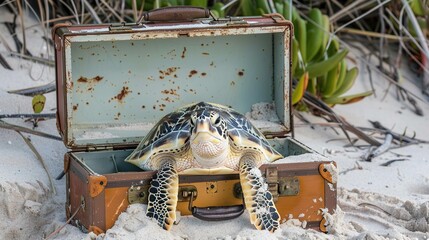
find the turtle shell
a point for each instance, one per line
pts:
(172, 133)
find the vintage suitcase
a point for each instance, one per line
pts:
(114, 81)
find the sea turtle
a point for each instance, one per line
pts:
(210, 137)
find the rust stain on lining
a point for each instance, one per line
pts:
(82, 80)
(69, 86)
(85, 79)
(192, 73)
(117, 116)
(98, 78)
(167, 72)
(121, 95)
(161, 107)
(167, 99)
(170, 92)
(184, 51)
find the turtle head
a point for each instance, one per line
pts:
(209, 138)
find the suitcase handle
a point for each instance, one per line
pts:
(214, 213)
(176, 14)
(217, 213)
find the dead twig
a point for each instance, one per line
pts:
(373, 34)
(44, 61)
(382, 39)
(374, 152)
(422, 39)
(4, 63)
(42, 161)
(31, 92)
(11, 26)
(386, 164)
(345, 126)
(360, 16)
(49, 41)
(21, 17)
(374, 206)
(346, 10)
(302, 118)
(91, 11)
(112, 10)
(390, 79)
(399, 137)
(66, 223)
(357, 166)
(29, 115)
(9, 126)
(411, 100)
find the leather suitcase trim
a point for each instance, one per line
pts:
(95, 230)
(96, 185)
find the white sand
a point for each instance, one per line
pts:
(374, 202)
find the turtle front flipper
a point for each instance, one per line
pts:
(162, 199)
(259, 201)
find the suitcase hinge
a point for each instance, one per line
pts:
(90, 148)
(236, 21)
(271, 175)
(230, 21)
(123, 26)
(277, 17)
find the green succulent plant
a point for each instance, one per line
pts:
(318, 62)
(322, 61)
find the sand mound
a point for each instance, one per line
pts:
(360, 215)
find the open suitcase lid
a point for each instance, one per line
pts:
(114, 82)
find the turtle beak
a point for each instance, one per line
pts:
(202, 126)
(205, 137)
(204, 133)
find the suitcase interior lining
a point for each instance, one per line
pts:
(112, 161)
(122, 85)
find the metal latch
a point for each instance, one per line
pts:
(185, 193)
(138, 194)
(189, 194)
(288, 186)
(284, 186)
(271, 176)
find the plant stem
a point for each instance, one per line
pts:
(422, 40)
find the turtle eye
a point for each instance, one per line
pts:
(193, 119)
(216, 120)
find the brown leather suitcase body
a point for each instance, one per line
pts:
(114, 81)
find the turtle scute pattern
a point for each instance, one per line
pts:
(163, 196)
(263, 213)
